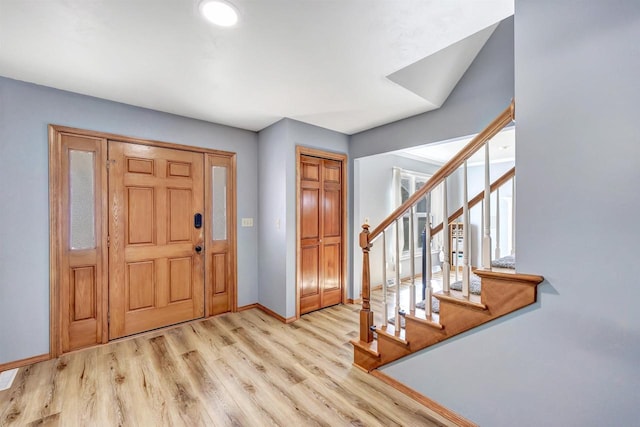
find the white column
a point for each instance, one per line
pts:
(446, 266)
(397, 305)
(497, 223)
(465, 230)
(412, 260)
(385, 308)
(486, 239)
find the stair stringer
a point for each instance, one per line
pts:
(502, 293)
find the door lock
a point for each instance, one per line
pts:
(198, 248)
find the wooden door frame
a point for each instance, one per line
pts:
(328, 155)
(56, 215)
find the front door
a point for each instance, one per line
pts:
(156, 266)
(321, 216)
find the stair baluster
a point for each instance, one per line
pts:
(513, 216)
(446, 267)
(428, 266)
(466, 272)
(412, 260)
(497, 223)
(486, 239)
(385, 307)
(456, 260)
(397, 296)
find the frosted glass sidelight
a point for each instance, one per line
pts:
(82, 199)
(219, 198)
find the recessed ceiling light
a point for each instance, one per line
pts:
(219, 12)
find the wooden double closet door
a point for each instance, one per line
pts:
(321, 233)
(146, 237)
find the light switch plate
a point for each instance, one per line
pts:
(247, 222)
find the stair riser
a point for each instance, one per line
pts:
(422, 335)
(391, 349)
(503, 297)
(365, 360)
(458, 318)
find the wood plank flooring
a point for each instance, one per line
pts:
(239, 369)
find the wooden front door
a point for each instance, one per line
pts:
(321, 232)
(156, 266)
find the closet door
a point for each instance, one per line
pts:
(321, 216)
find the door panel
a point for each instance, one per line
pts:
(321, 216)
(219, 273)
(180, 280)
(141, 218)
(180, 212)
(140, 282)
(332, 215)
(156, 276)
(310, 272)
(332, 261)
(309, 213)
(83, 293)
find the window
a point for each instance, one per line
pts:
(411, 182)
(406, 184)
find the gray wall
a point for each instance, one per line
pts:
(277, 172)
(572, 358)
(272, 200)
(25, 112)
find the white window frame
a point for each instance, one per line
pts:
(413, 178)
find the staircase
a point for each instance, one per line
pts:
(502, 290)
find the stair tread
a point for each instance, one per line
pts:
(389, 331)
(511, 275)
(428, 322)
(369, 347)
(456, 297)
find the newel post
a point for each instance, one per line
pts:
(366, 315)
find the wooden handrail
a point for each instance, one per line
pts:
(506, 117)
(477, 199)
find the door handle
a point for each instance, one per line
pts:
(198, 249)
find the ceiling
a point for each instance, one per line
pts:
(343, 65)
(502, 148)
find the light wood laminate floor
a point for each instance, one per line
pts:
(245, 369)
